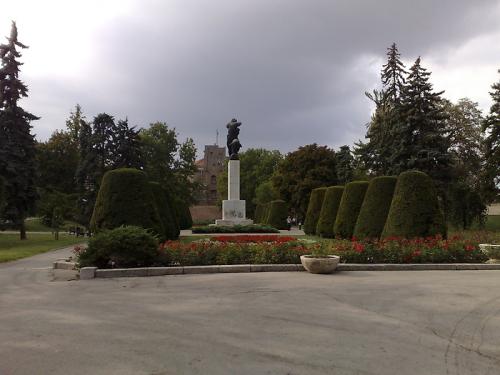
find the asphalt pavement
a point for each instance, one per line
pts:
(408, 322)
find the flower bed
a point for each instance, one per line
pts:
(264, 249)
(401, 250)
(174, 253)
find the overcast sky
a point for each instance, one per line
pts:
(294, 72)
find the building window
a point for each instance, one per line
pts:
(213, 179)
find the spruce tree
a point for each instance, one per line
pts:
(377, 154)
(393, 74)
(421, 136)
(17, 144)
(491, 128)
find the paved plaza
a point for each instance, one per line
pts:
(411, 322)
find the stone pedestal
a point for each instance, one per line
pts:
(233, 209)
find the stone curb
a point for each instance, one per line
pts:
(63, 265)
(93, 272)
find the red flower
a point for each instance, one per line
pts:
(358, 247)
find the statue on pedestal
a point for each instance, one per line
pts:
(233, 143)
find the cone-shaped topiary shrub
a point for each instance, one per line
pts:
(278, 212)
(373, 214)
(166, 212)
(265, 213)
(125, 198)
(314, 210)
(350, 204)
(329, 210)
(415, 210)
(183, 214)
(259, 213)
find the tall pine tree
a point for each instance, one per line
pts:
(17, 144)
(376, 154)
(491, 127)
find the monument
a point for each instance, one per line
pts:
(233, 209)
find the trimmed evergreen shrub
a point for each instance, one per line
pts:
(260, 213)
(350, 204)
(373, 214)
(314, 210)
(278, 212)
(127, 246)
(329, 210)
(415, 210)
(166, 212)
(183, 214)
(125, 198)
(264, 213)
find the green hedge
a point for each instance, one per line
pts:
(373, 214)
(253, 228)
(125, 198)
(166, 212)
(415, 210)
(349, 207)
(183, 214)
(314, 210)
(329, 211)
(278, 212)
(127, 246)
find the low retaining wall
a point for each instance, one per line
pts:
(87, 273)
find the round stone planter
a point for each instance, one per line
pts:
(320, 265)
(493, 251)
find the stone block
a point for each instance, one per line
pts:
(233, 210)
(122, 272)
(87, 273)
(200, 269)
(234, 268)
(274, 267)
(161, 271)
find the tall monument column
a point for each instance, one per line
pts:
(233, 209)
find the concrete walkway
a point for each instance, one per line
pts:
(418, 323)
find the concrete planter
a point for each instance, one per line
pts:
(493, 251)
(320, 265)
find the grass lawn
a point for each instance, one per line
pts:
(492, 223)
(35, 225)
(12, 248)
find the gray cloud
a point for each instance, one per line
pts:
(294, 72)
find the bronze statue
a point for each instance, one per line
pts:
(233, 143)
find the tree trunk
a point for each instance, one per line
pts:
(22, 229)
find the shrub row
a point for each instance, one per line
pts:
(254, 228)
(406, 206)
